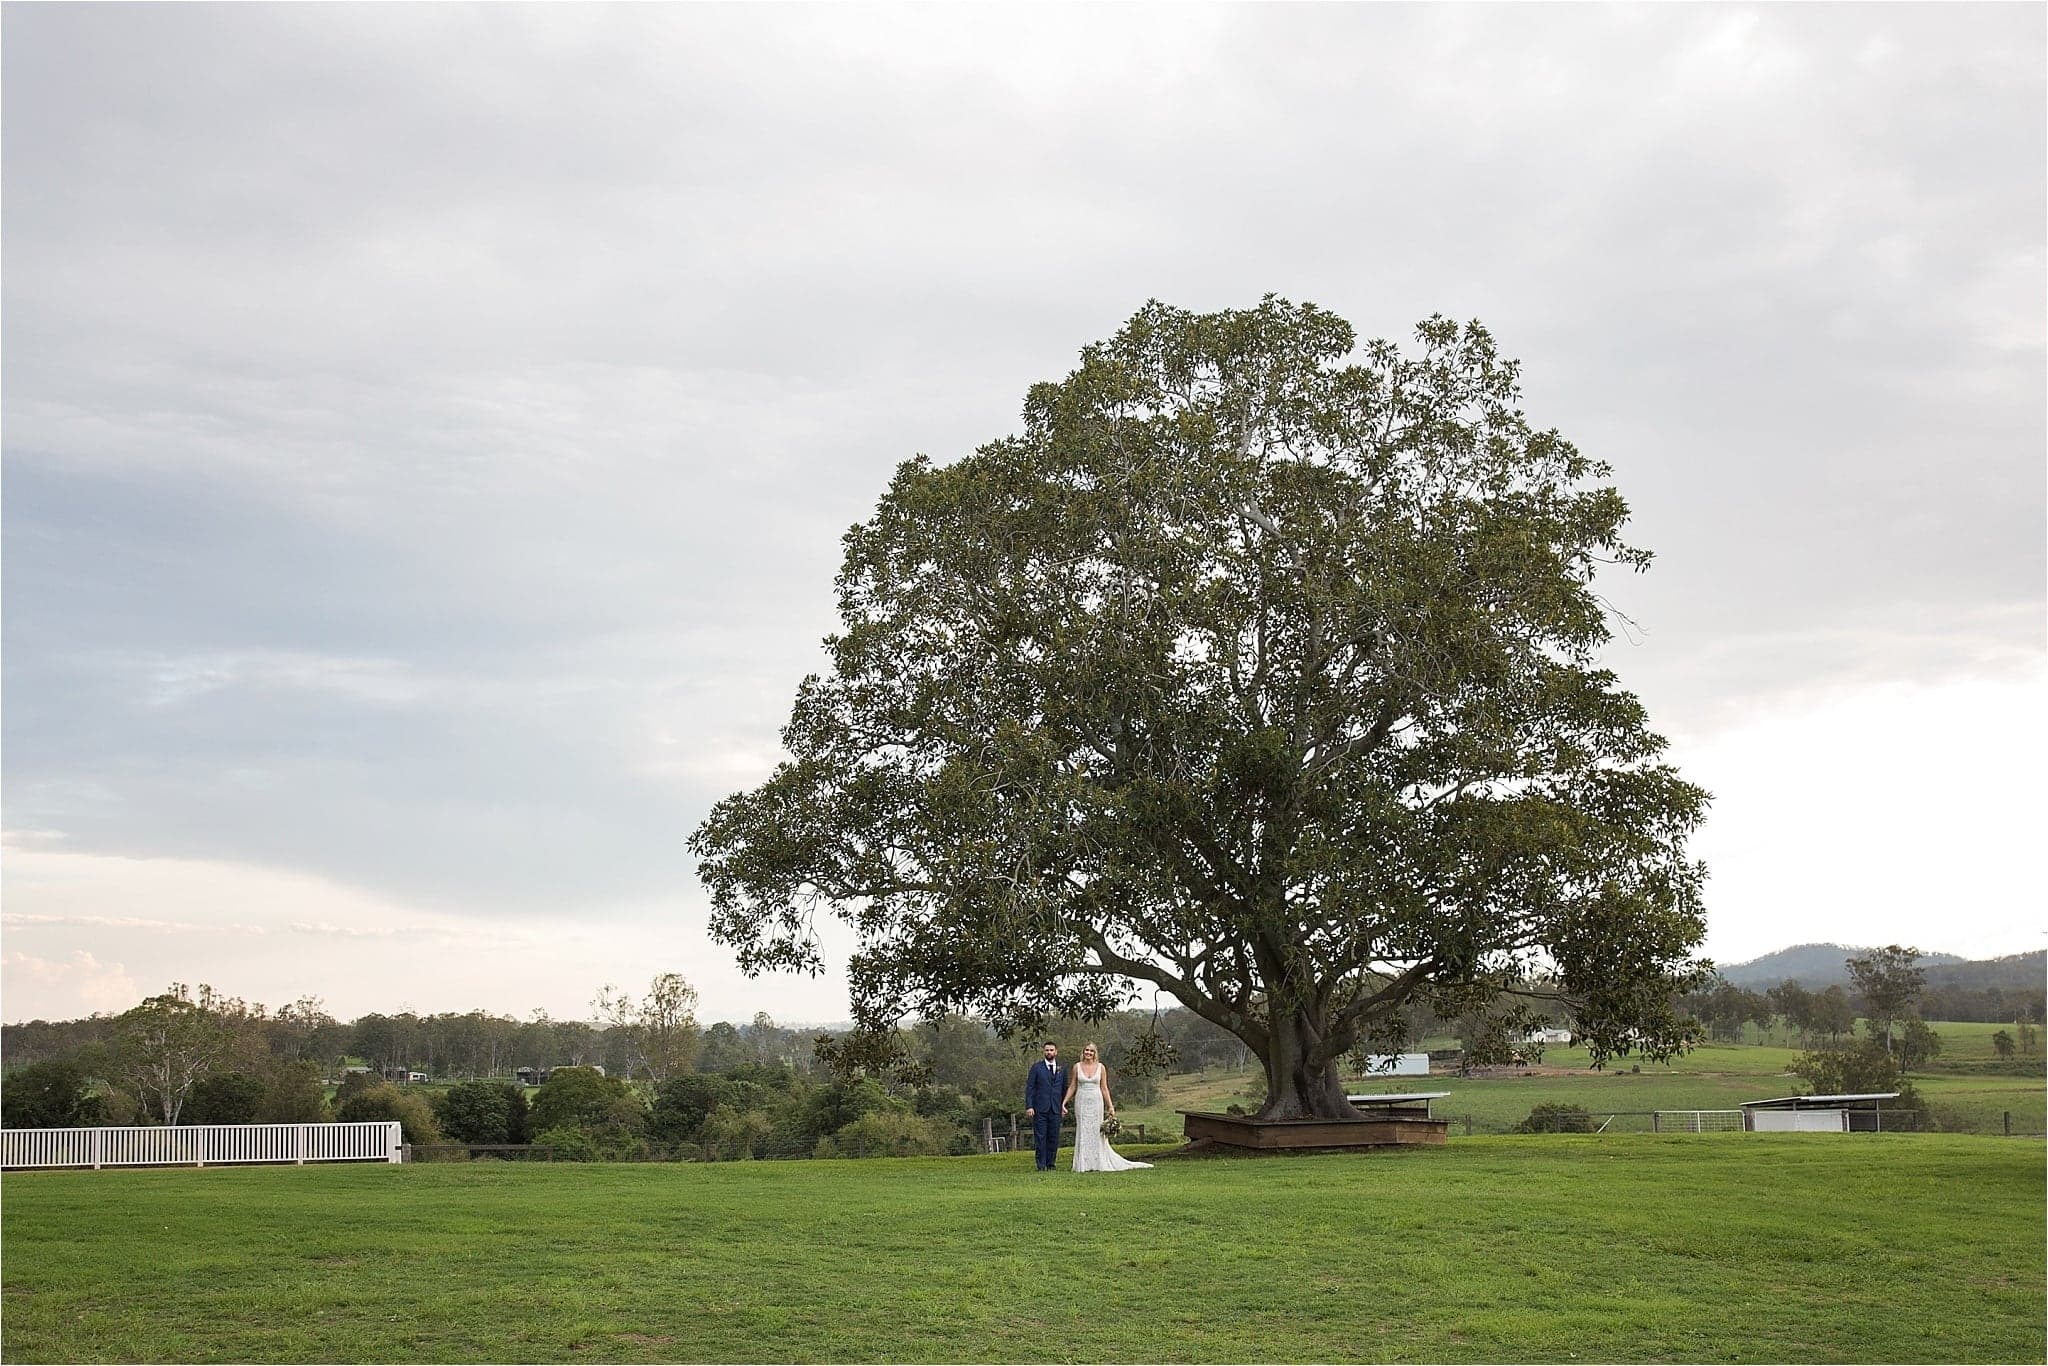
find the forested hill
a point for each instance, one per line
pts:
(1820, 966)
(2015, 970)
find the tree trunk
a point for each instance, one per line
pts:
(1297, 1087)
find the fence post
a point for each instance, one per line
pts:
(199, 1144)
(393, 1152)
(988, 1133)
(2008, 1124)
(1468, 1126)
(99, 1141)
(1656, 1121)
(300, 1148)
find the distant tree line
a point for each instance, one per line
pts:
(1887, 985)
(644, 1079)
(641, 1079)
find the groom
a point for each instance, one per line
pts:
(1043, 1091)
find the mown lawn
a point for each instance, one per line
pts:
(1736, 1247)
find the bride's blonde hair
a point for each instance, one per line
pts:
(1091, 1048)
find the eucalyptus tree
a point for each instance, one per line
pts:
(1260, 669)
(1889, 981)
(166, 1046)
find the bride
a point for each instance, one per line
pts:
(1089, 1082)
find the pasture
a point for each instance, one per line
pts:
(1968, 1091)
(1720, 1247)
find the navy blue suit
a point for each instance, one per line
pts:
(1044, 1089)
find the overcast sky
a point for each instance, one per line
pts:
(429, 429)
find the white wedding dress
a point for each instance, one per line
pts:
(1092, 1152)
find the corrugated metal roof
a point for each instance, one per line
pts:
(1797, 1102)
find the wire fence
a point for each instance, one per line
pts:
(1675, 1122)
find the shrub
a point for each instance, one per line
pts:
(1557, 1117)
(58, 1094)
(570, 1143)
(682, 1104)
(737, 1135)
(828, 1109)
(354, 1084)
(584, 1097)
(223, 1098)
(482, 1112)
(384, 1101)
(888, 1133)
(293, 1095)
(605, 1110)
(1863, 1070)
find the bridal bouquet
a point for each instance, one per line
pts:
(1111, 1126)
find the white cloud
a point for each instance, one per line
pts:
(39, 988)
(271, 935)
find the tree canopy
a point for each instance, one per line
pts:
(1889, 980)
(1259, 668)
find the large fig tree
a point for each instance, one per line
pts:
(1260, 670)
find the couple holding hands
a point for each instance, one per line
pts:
(1048, 1094)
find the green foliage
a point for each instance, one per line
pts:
(292, 1094)
(482, 1112)
(1917, 1044)
(1254, 671)
(570, 1144)
(737, 1134)
(830, 1108)
(224, 1098)
(1863, 1070)
(354, 1084)
(1889, 980)
(605, 1109)
(59, 1094)
(163, 1047)
(578, 1096)
(658, 1031)
(886, 1133)
(681, 1105)
(1834, 1014)
(1557, 1117)
(384, 1101)
(2002, 1041)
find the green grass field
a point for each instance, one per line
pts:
(1737, 1247)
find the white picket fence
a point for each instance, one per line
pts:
(202, 1145)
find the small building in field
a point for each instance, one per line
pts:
(1861, 1113)
(1397, 1065)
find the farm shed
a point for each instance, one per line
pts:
(1398, 1065)
(1862, 1113)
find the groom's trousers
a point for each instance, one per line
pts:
(1045, 1134)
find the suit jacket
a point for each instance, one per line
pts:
(1045, 1088)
